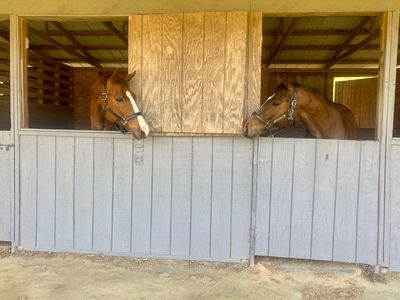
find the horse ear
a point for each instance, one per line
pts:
(115, 74)
(290, 86)
(129, 77)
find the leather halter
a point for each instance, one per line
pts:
(106, 108)
(288, 115)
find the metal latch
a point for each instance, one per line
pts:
(6, 147)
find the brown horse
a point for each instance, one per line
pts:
(291, 102)
(113, 103)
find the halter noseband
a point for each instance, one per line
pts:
(106, 108)
(288, 115)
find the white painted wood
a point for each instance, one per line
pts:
(181, 196)
(264, 177)
(395, 210)
(6, 189)
(46, 191)
(83, 196)
(102, 193)
(324, 199)
(122, 196)
(347, 189)
(201, 197)
(65, 166)
(303, 198)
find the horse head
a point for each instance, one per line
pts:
(118, 105)
(275, 113)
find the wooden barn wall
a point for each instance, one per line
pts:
(182, 197)
(318, 199)
(396, 119)
(197, 73)
(395, 209)
(50, 93)
(6, 186)
(5, 122)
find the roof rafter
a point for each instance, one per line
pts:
(57, 44)
(277, 48)
(82, 49)
(116, 32)
(354, 32)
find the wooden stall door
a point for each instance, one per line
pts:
(361, 97)
(197, 73)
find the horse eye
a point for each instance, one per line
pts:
(119, 98)
(276, 103)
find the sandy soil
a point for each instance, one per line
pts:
(29, 275)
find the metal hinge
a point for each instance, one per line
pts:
(6, 147)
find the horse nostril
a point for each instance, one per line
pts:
(142, 134)
(245, 131)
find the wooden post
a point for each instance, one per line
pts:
(23, 54)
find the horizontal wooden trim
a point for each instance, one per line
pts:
(34, 74)
(45, 66)
(314, 32)
(34, 85)
(329, 71)
(49, 97)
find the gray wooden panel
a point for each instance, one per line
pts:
(122, 195)
(102, 193)
(142, 194)
(241, 197)
(161, 202)
(6, 175)
(181, 196)
(303, 198)
(201, 197)
(46, 189)
(28, 194)
(65, 165)
(367, 225)
(395, 210)
(221, 198)
(83, 197)
(324, 199)
(264, 177)
(346, 201)
(281, 197)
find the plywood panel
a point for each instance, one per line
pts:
(6, 187)
(192, 85)
(135, 46)
(395, 213)
(46, 164)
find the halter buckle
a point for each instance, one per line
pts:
(104, 96)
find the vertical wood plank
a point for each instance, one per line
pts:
(214, 71)
(241, 197)
(46, 192)
(28, 186)
(303, 194)
(135, 47)
(65, 162)
(235, 70)
(264, 177)
(254, 64)
(83, 197)
(281, 197)
(367, 225)
(192, 83)
(142, 196)
(161, 205)
(122, 195)
(153, 102)
(6, 188)
(324, 199)
(221, 198)
(395, 212)
(171, 80)
(181, 196)
(201, 196)
(103, 193)
(346, 201)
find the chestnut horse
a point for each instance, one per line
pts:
(112, 102)
(291, 102)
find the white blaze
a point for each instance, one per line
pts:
(142, 123)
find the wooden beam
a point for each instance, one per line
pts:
(82, 49)
(320, 47)
(355, 31)
(321, 32)
(57, 44)
(5, 34)
(116, 32)
(41, 47)
(275, 51)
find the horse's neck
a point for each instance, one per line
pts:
(313, 112)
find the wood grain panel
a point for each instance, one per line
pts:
(192, 82)
(135, 47)
(214, 71)
(235, 71)
(171, 80)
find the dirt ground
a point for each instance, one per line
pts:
(33, 275)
